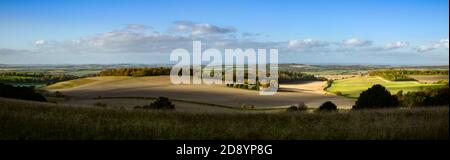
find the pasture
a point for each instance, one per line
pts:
(352, 87)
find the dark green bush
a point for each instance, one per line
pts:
(160, 103)
(292, 109)
(328, 106)
(299, 107)
(376, 97)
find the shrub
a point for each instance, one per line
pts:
(292, 108)
(302, 107)
(299, 107)
(376, 97)
(247, 106)
(256, 88)
(160, 103)
(58, 94)
(339, 93)
(100, 104)
(328, 106)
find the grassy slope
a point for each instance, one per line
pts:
(31, 120)
(352, 87)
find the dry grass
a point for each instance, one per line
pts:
(31, 120)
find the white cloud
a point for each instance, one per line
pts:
(354, 42)
(443, 43)
(307, 43)
(201, 28)
(40, 42)
(397, 45)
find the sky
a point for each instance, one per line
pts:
(393, 32)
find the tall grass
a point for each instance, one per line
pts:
(32, 120)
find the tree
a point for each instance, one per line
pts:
(376, 97)
(328, 106)
(160, 103)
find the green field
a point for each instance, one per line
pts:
(352, 87)
(35, 121)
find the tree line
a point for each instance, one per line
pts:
(402, 75)
(136, 72)
(31, 77)
(289, 76)
(25, 93)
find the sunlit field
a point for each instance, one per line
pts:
(352, 87)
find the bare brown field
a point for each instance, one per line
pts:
(429, 78)
(309, 93)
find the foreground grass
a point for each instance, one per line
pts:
(352, 87)
(31, 120)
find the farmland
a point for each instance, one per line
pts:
(352, 87)
(106, 107)
(119, 86)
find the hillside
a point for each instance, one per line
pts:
(34, 120)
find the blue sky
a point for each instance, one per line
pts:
(305, 31)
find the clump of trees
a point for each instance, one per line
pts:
(136, 72)
(162, 103)
(290, 76)
(328, 106)
(428, 97)
(25, 93)
(376, 97)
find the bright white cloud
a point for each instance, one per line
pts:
(354, 42)
(443, 43)
(397, 45)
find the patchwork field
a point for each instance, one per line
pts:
(309, 93)
(352, 87)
